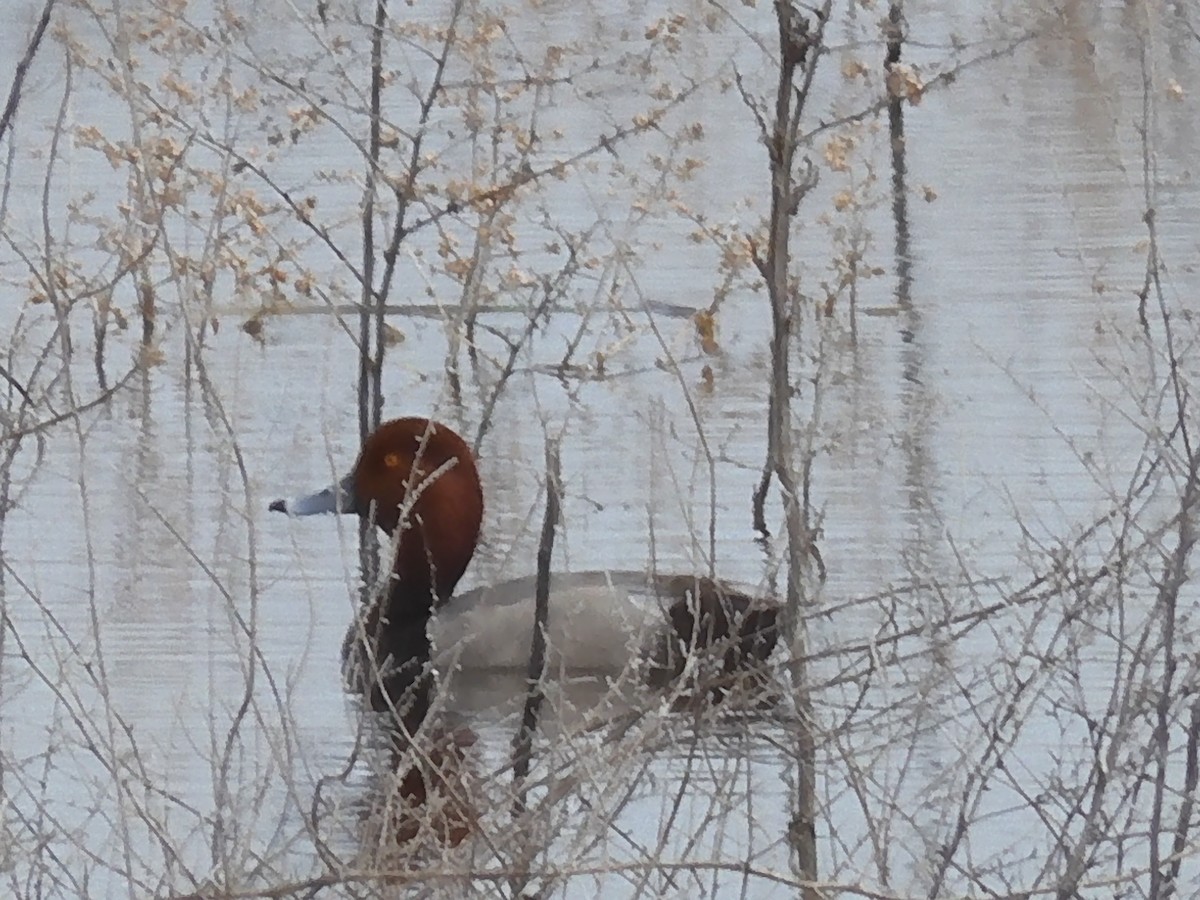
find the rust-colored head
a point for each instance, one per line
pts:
(420, 476)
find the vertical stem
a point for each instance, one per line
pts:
(370, 316)
(149, 312)
(523, 742)
(5, 501)
(14, 93)
(100, 331)
(534, 695)
(781, 153)
(799, 52)
(370, 321)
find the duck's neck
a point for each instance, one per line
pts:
(404, 614)
(426, 569)
(431, 557)
(390, 657)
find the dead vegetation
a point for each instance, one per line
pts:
(1004, 712)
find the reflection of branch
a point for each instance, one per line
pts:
(14, 94)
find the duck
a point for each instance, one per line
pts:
(418, 481)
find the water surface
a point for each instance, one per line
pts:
(985, 406)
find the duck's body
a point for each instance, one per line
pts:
(418, 481)
(597, 623)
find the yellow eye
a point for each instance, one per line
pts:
(392, 460)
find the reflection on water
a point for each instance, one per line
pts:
(172, 653)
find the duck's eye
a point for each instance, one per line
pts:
(392, 460)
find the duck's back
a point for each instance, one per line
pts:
(598, 622)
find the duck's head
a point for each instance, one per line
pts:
(418, 477)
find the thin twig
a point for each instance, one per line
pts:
(31, 49)
(523, 742)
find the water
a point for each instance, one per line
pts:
(172, 652)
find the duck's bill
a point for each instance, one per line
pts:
(337, 498)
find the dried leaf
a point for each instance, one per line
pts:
(706, 330)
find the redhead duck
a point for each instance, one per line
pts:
(417, 480)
